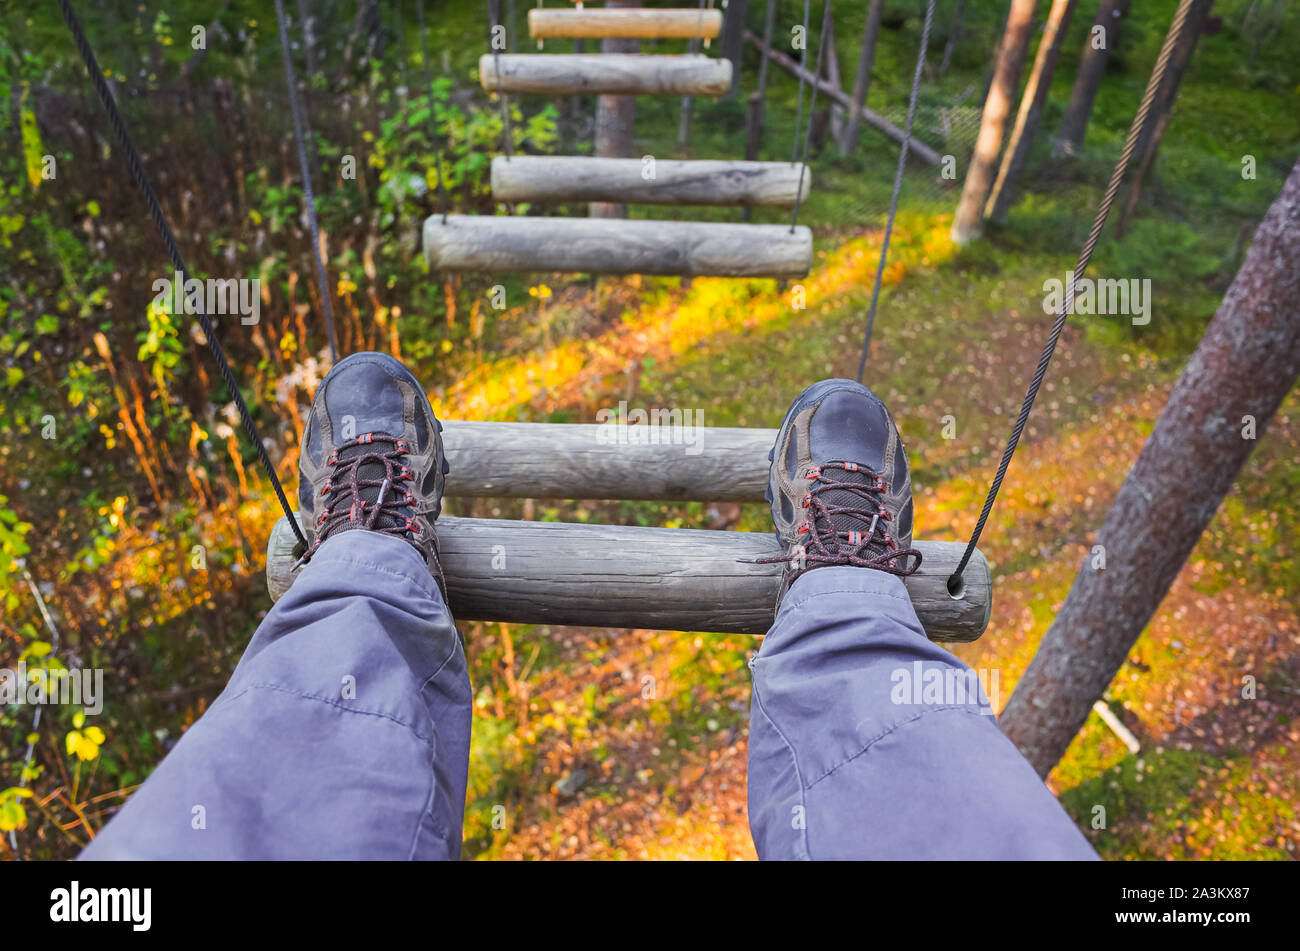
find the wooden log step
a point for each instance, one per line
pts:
(655, 459)
(631, 24)
(554, 178)
(616, 246)
(648, 578)
(623, 74)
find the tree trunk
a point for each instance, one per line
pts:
(954, 34)
(832, 74)
(967, 222)
(1243, 368)
(862, 79)
(873, 119)
(615, 117)
(1031, 107)
(367, 28)
(1088, 78)
(688, 103)
(758, 101)
(1153, 130)
(733, 40)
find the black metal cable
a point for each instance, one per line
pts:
(812, 109)
(898, 185)
(438, 142)
(309, 197)
(178, 262)
(1085, 256)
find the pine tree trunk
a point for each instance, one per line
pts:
(966, 224)
(1091, 68)
(1153, 130)
(848, 143)
(733, 40)
(615, 117)
(1031, 107)
(688, 105)
(836, 121)
(954, 34)
(758, 101)
(1239, 375)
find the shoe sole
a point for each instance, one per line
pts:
(440, 482)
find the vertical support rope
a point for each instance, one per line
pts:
(438, 141)
(692, 48)
(803, 63)
(898, 185)
(494, 14)
(1085, 256)
(812, 107)
(299, 125)
(178, 262)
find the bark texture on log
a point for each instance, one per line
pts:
(624, 23)
(619, 74)
(558, 178)
(666, 579)
(592, 461)
(1245, 365)
(596, 246)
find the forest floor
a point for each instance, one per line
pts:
(605, 744)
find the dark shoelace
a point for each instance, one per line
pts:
(364, 491)
(828, 542)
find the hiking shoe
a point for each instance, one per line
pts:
(372, 457)
(840, 487)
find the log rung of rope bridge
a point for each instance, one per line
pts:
(622, 74)
(560, 178)
(594, 461)
(682, 24)
(616, 246)
(629, 576)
